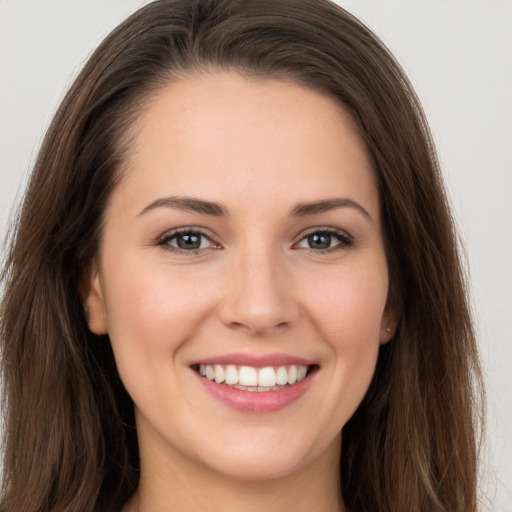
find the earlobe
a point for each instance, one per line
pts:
(386, 335)
(93, 300)
(389, 324)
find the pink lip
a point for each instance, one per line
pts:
(254, 360)
(256, 401)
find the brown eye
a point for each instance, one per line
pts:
(319, 240)
(190, 241)
(187, 241)
(325, 240)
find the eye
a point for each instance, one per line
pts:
(325, 240)
(187, 240)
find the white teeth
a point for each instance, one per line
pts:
(281, 376)
(219, 374)
(210, 373)
(231, 374)
(267, 377)
(252, 379)
(248, 376)
(292, 375)
(301, 372)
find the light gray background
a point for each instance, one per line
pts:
(458, 54)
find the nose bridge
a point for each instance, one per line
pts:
(259, 296)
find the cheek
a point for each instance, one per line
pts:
(349, 307)
(348, 314)
(151, 314)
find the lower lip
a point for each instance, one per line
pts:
(257, 401)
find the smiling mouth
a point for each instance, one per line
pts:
(248, 378)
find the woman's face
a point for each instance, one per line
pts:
(244, 242)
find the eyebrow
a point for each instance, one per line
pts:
(210, 208)
(315, 207)
(190, 204)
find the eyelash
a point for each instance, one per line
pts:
(344, 240)
(165, 240)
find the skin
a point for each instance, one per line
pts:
(258, 148)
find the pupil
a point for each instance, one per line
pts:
(189, 241)
(319, 241)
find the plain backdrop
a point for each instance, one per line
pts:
(458, 55)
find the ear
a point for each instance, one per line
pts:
(93, 300)
(390, 321)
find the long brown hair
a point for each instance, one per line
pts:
(70, 442)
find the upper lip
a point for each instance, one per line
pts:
(254, 360)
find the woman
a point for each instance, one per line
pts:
(235, 281)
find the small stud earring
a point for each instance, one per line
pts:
(388, 329)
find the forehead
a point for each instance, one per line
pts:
(212, 133)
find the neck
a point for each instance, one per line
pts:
(182, 485)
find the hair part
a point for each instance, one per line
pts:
(70, 440)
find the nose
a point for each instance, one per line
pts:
(259, 295)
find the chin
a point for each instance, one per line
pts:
(259, 468)
(267, 459)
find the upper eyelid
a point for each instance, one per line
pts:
(187, 229)
(316, 229)
(323, 229)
